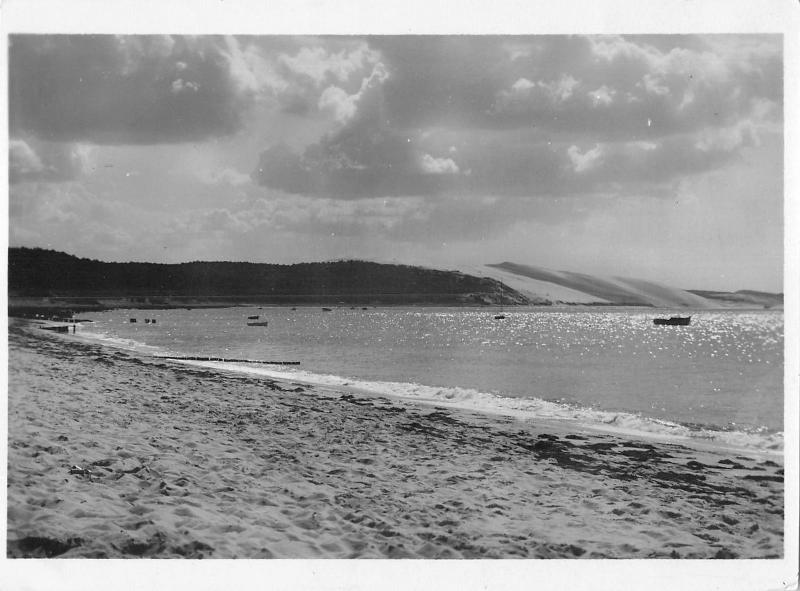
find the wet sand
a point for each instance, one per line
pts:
(115, 455)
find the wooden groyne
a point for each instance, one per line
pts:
(58, 328)
(225, 360)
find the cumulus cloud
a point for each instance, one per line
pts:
(602, 96)
(532, 116)
(319, 64)
(34, 160)
(320, 74)
(587, 160)
(433, 165)
(364, 157)
(126, 89)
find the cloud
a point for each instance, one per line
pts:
(127, 89)
(318, 64)
(66, 216)
(34, 160)
(22, 160)
(583, 162)
(337, 101)
(531, 116)
(431, 165)
(364, 157)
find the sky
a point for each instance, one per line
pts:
(650, 156)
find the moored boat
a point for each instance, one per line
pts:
(673, 321)
(263, 323)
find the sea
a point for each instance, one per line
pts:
(718, 380)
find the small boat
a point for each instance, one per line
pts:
(500, 317)
(263, 323)
(673, 321)
(327, 309)
(252, 317)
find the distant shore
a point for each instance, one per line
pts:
(31, 307)
(112, 454)
(66, 308)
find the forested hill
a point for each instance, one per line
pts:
(35, 272)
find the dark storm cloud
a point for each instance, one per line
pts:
(124, 90)
(525, 116)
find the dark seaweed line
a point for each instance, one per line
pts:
(223, 359)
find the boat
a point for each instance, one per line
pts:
(673, 321)
(262, 323)
(252, 317)
(500, 315)
(327, 309)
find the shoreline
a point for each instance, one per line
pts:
(38, 307)
(710, 437)
(563, 425)
(188, 462)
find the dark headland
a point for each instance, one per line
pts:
(46, 281)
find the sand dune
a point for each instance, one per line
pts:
(614, 290)
(537, 290)
(112, 454)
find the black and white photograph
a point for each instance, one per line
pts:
(463, 297)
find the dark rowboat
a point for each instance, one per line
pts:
(264, 323)
(673, 321)
(252, 317)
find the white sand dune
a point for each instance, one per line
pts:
(582, 288)
(534, 289)
(118, 455)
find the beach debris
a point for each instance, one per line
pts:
(55, 328)
(75, 469)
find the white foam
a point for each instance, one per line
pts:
(524, 408)
(489, 403)
(115, 342)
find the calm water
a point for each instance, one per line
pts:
(720, 377)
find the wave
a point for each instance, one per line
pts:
(621, 423)
(116, 342)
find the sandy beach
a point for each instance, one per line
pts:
(116, 455)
